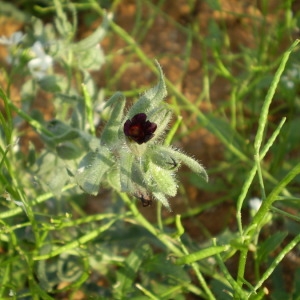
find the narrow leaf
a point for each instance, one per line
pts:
(269, 245)
(93, 39)
(110, 133)
(92, 168)
(127, 159)
(151, 98)
(127, 274)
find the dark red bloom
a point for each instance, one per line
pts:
(138, 129)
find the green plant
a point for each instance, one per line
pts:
(54, 244)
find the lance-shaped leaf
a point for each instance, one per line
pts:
(113, 178)
(92, 168)
(110, 133)
(93, 39)
(127, 273)
(68, 150)
(179, 157)
(126, 159)
(61, 132)
(151, 98)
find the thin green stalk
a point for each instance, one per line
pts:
(266, 204)
(245, 188)
(241, 267)
(235, 286)
(252, 173)
(260, 176)
(258, 219)
(202, 281)
(18, 210)
(173, 131)
(140, 219)
(6, 120)
(78, 242)
(35, 124)
(233, 105)
(194, 265)
(285, 214)
(5, 278)
(265, 109)
(146, 292)
(288, 248)
(158, 216)
(195, 211)
(59, 224)
(89, 109)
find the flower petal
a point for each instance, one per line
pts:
(138, 129)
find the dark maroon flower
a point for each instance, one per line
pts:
(138, 129)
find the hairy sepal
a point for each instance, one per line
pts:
(183, 158)
(162, 180)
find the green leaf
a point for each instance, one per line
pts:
(92, 40)
(113, 178)
(151, 98)
(63, 26)
(92, 168)
(10, 10)
(219, 290)
(296, 294)
(224, 129)
(61, 132)
(92, 59)
(68, 150)
(89, 109)
(126, 158)
(53, 84)
(110, 133)
(51, 172)
(126, 275)
(59, 180)
(279, 290)
(269, 245)
(213, 4)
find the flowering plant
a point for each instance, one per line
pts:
(131, 154)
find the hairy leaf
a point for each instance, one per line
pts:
(92, 168)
